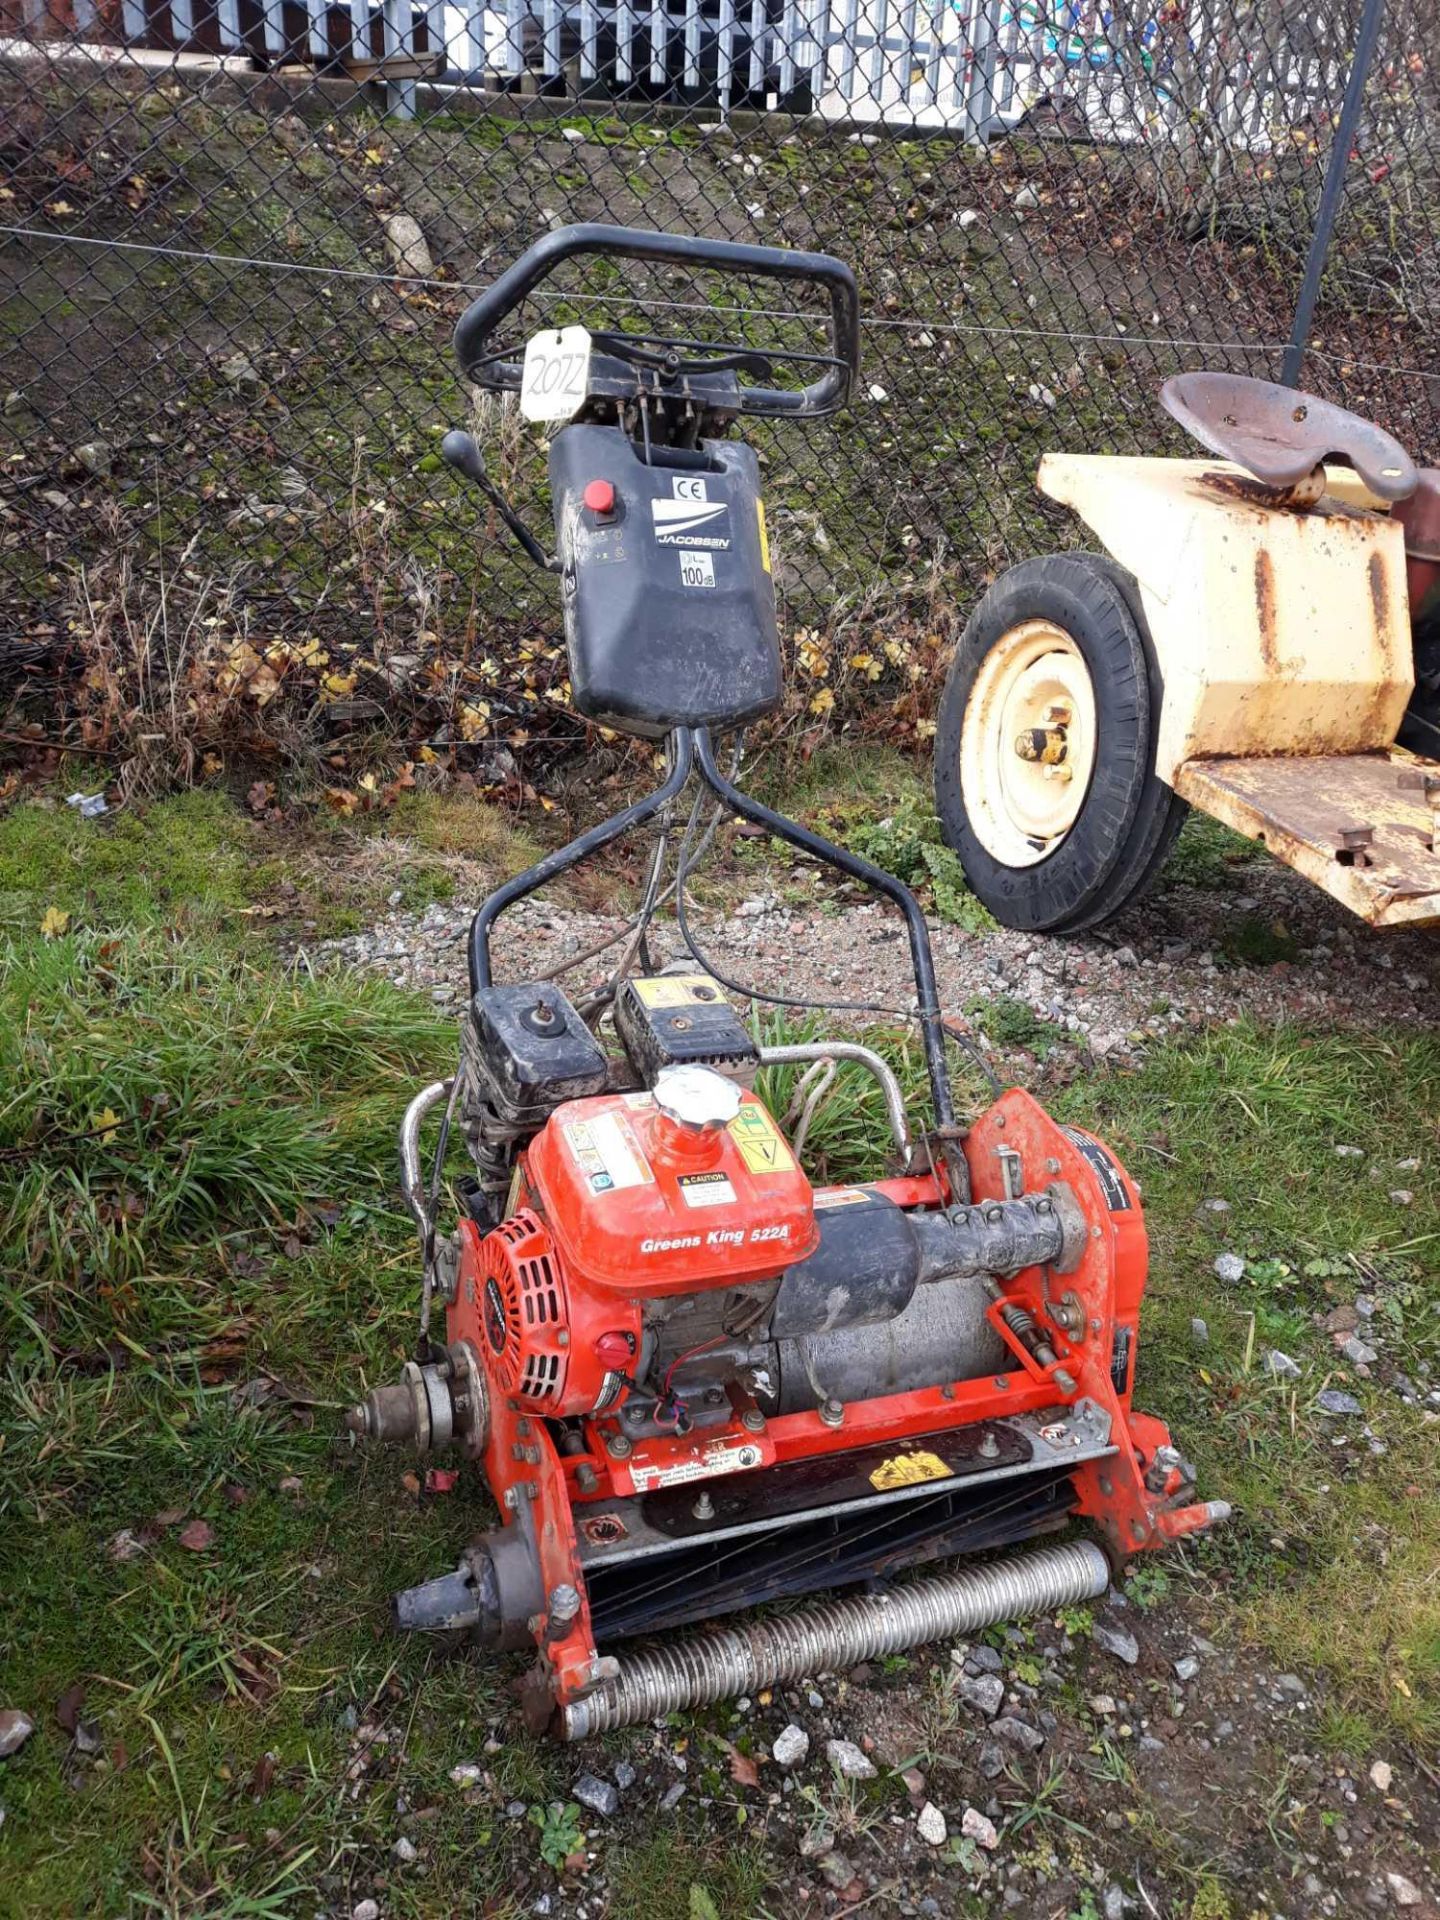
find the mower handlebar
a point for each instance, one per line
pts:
(825, 395)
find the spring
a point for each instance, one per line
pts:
(1020, 1321)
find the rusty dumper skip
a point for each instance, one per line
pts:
(1262, 642)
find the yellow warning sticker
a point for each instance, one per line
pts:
(675, 990)
(764, 536)
(759, 1141)
(908, 1470)
(841, 1197)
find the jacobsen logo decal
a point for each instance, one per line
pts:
(691, 518)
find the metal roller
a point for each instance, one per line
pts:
(699, 1670)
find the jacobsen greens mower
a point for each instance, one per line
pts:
(693, 1381)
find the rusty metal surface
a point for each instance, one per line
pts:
(1282, 436)
(1420, 517)
(1361, 826)
(1277, 631)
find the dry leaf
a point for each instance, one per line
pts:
(54, 922)
(67, 1707)
(197, 1536)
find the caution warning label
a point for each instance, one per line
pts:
(908, 1470)
(758, 1139)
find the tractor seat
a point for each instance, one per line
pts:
(1281, 435)
(1420, 516)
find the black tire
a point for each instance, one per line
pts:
(1128, 818)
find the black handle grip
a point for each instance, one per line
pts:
(478, 322)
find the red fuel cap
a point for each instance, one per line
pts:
(599, 496)
(615, 1349)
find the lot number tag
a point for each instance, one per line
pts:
(556, 374)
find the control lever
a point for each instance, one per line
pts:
(461, 450)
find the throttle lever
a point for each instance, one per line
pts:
(461, 450)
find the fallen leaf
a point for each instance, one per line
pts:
(67, 1707)
(53, 922)
(743, 1770)
(107, 1125)
(197, 1536)
(441, 1479)
(168, 1516)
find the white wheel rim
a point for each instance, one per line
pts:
(1027, 743)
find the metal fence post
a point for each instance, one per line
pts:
(1331, 191)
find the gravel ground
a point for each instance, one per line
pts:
(1062, 1770)
(1166, 965)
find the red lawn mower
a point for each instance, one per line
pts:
(694, 1382)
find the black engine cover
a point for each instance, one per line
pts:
(669, 601)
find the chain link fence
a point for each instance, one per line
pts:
(235, 236)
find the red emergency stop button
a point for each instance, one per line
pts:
(599, 496)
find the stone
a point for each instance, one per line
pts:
(238, 370)
(1229, 1267)
(365, 1910)
(1357, 1352)
(1187, 1668)
(1292, 1684)
(1335, 1400)
(975, 1826)
(1382, 1776)
(930, 1825)
(672, 1796)
(625, 1776)
(1199, 1332)
(1349, 1153)
(1114, 1902)
(1401, 1197)
(467, 1774)
(97, 457)
(405, 1851)
(966, 219)
(1403, 1892)
(600, 1796)
(1117, 1640)
(407, 247)
(983, 1691)
(15, 1729)
(1104, 1705)
(991, 1761)
(983, 1660)
(1125, 957)
(848, 1761)
(575, 135)
(1280, 1365)
(836, 1869)
(790, 1746)
(1027, 198)
(1017, 1734)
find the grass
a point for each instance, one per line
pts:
(204, 1260)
